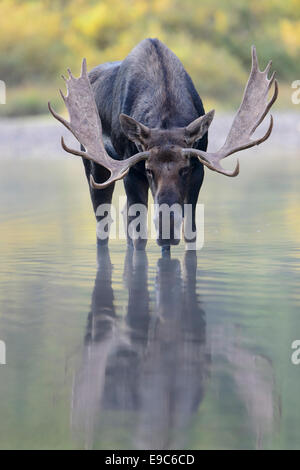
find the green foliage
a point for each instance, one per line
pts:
(39, 39)
(29, 100)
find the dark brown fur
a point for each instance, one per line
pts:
(151, 87)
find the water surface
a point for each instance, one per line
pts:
(114, 349)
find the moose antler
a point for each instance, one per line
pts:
(85, 125)
(252, 111)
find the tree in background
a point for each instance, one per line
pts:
(39, 39)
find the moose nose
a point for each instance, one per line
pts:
(168, 197)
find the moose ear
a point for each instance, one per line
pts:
(198, 128)
(133, 129)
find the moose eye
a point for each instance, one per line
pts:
(184, 171)
(149, 173)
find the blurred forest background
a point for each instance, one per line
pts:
(40, 39)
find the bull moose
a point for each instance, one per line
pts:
(142, 119)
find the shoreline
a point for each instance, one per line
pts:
(39, 137)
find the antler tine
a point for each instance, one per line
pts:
(110, 180)
(272, 78)
(58, 117)
(70, 74)
(269, 65)
(73, 151)
(268, 107)
(229, 173)
(252, 111)
(83, 68)
(62, 95)
(255, 65)
(267, 134)
(85, 125)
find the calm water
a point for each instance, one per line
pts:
(118, 350)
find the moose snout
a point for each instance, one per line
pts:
(168, 220)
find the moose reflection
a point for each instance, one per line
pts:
(150, 363)
(144, 374)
